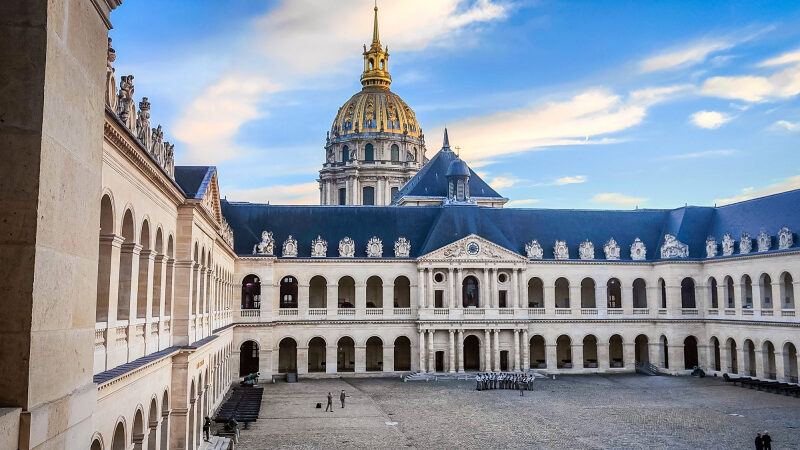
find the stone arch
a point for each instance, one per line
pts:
(402, 353)
(347, 292)
(790, 362)
(715, 354)
(287, 355)
(690, 357)
(730, 348)
(126, 259)
(137, 430)
(641, 349)
(616, 353)
(786, 291)
(747, 292)
(749, 357)
(614, 293)
(289, 292)
(152, 424)
(471, 352)
(713, 300)
(158, 265)
(688, 299)
(251, 292)
(374, 292)
(144, 269)
(730, 299)
(538, 354)
(317, 354)
(105, 251)
(395, 150)
(588, 289)
(590, 351)
(369, 152)
(470, 292)
(535, 293)
(402, 292)
(564, 352)
(662, 285)
(119, 442)
(639, 293)
(562, 292)
(107, 211)
(248, 357)
(768, 360)
(97, 442)
(318, 292)
(345, 354)
(663, 348)
(765, 289)
(374, 354)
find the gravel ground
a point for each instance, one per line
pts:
(579, 411)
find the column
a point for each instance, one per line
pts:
(526, 351)
(761, 371)
(361, 358)
(549, 299)
(429, 300)
(420, 288)
(493, 287)
(515, 290)
(487, 351)
(627, 298)
(603, 356)
(780, 373)
(551, 356)
(629, 354)
(601, 299)
(388, 298)
(304, 295)
(422, 365)
(361, 299)
(676, 363)
(703, 356)
(331, 355)
(515, 366)
(461, 351)
(496, 365)
(575, 297)
(331, 298)
(738, 302)
(431, 354)
(796, 292)
(459, 293)
(486, 299)
(451, 284)
(451, 366)
(577, 354)
(673, 299)
(302, 360)
(777, 301)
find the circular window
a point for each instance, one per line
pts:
(473, 248)
(502, 278)
(439, 277)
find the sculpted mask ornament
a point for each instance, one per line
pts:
(374, 247)
(402, 248)
(534, 250)
(319, 248)
(746, 244)
(289, 247)
(586, 250)
(638, 250)
(560, 250)
(711, 247)
(266, 246)
(764, 241)
(611, 249)
(673, 248)
(727, 245)
(785, 239)
(347, 248)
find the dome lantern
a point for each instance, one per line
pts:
(376, 61)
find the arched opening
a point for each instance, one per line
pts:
(119, 438)
(765, 284)
(345, 154)
(368, 196)
(614, 293)
(383, 64)
(165, 420)
(345, 355)
(248, 358)
(402, 354)
(728, 292)
(371, 64)
(790, 362)
(395, 153)
(318, 292)
(158, 265)
(137, 432)
(663, 288)
(615, 352)
(733, 365)
(251, 292)
(564, 352)
(639, 293)
(768, 360)
(687, 293)
(288, 292)
(590, 352)
(287, 356)
(747, 292)
(472, 353)
(535, 293)
(316, 355)
(641, 349)
(749, 358)
(664, 348)
(690, 352)
(562, 293)
(96, 445)
(374, 292)
(369, 153)
(168, 280)
(125, 267)
(347, 292)
(374, 354)
(104, 260)
(716, 358)
(787, 291)
(402, 292)
(144, 271)
(470, 292)
(587, 293)
(538, 356)
(192, 419)
(152, 423)
(712, 292)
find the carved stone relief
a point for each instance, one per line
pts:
(727, 245)
(785, 239)
(638, 250)
(673, 248)
(319, 248)
(746, 244)
(534, 250)
(611, 249)
(764, 241)
(266, 246)
(711, 247)
(374, 247)
(402, 248)
(586, 250)
(560, 250)
(289, 247)
(347, 248)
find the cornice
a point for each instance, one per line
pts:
(517, 321)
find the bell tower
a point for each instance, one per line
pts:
(376, 60)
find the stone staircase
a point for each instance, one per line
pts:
(217, 443)
(645, 368)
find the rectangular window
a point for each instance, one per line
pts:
(368, 196)
(342, 196)
(438, 299)
(394, 193)
(502, 299)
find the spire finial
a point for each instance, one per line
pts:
(375, 35)
(446, 144)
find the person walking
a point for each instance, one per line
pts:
(767, 441)
(330, 403)
(207, 428)
(759, 442)
(521, 387)
(342, 397)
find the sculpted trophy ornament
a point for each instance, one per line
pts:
(111, 81)
(673, 248)
(727, 245)
(402, 248)
(611, 249)
(711, 247)
(319, 248)
(374, 247)
(289, 247)
(764, 241)
(226, 232)
(347, 248)
(746, 244)
(143, 130)
(126, 108)
(638, 250)
(266, 246)
(534, 250)
(785, 239)
(560, 250)
(586, 250)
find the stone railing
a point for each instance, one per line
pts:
(374, 311)
(747, 312)
(767, 312)
(346, 311)
(402, 311)
(787, 313)
(589, 311)
(284, 312)
(730, 312)
(563, 311)
(614, 311)
(506, 311)
(441, 311)
(317, 311)
(689, 311)
(712, 311)
(475, 311)
(536, 311)
(641, 311)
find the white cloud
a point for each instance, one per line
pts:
(522, 202)
(786, 58)
(294, 194)
(577, 179)
(684, 57)
(749, 193)
(754, 88)
(709, 119)
(786, 125)
(583, 119)
(502, 182)
(705, 154)
(616, 198)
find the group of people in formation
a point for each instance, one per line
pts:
(504, 380)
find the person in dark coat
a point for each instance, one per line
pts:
(330, 403)
(207, 428)
(759, 442)
(342, 396)
(767, 441)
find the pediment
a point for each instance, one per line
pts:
(211, 199)
(473, 248)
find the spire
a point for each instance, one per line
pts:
(446, 143)
(376, 60)
(376, 39)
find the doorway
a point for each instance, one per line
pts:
(440, 361)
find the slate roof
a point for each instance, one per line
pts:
(194, 180)
(431, 227)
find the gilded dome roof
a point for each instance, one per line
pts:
(375, 109)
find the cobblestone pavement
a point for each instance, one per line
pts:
(574, 412)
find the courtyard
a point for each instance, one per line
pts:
(579, 411)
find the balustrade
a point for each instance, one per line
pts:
(402, 311)
(688, 311)
(641, 311)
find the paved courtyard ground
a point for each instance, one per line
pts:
(575, 412)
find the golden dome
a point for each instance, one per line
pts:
(375, 110)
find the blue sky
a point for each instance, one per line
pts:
(593, 104)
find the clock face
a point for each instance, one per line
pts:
(473, 248)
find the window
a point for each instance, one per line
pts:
(342, 196)
(470, 292)
(345, 153)
(439, 277)
(395, 153)
(369, 153)
(368, 196)
(438, 299)
(502, 299)
(289, 292)
(502, 277)
(394, 193)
